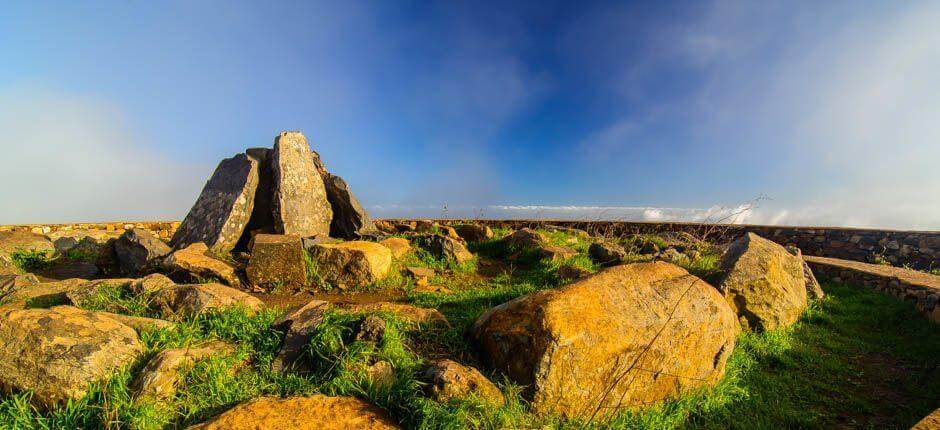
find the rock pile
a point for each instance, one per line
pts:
(285, 190)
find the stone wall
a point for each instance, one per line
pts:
(163, 229)
(916, 249)
(921, 289)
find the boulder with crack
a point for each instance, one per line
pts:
(352, 264)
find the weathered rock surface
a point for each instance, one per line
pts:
(352, 264)
(398, 245)
(137, 249)
(192, 262)
(409, 313)
(524, 238)
(474, 232)
(25, 291)
(627, 336)
(316, 412)
(813, 289)
(569, 272)
(277, 261)
(448, 380)
(299, 202)
(220, 214)
(262, 212)
(70, 269)
(556, 253)
(298, 326)
(350, 220)
(57, 352)
(11, 284)
(930, 422)
(159, 378)
(12, 241)
(138, 323)
(763, 283)
(191, 299)
(8, 268)
(419, 273)
(607, 253)
(81, 292)
(150, 284)
(371, 329)
(445, 247)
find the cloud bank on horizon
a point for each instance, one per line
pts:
(675, 111)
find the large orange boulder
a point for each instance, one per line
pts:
(316, 412)
(628, 336)
(763, 283)
(353, 264)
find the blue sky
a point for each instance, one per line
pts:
(648, 110)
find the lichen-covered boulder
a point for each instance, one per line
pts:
(220, 214)
(474, 232)
(607, 253)
(193, 263)
(352, 264)
(316, 412)
(159, 378)
(763, 283)
(56, 353)
(299, 202)
(524, 238)
(398, 245)
(446, 248)
(12, 241)
(10, 285)
(277, 260)
(150, 284)
(191, 299)
(138, 249)
(350, 219)
(448, 380)
(627, 336)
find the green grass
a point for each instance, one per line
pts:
(856, 359)
(32, 260)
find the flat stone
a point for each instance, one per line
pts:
(221, 213)
(300, 203)
(192, 299)
(192, 262)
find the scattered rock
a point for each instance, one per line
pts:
(446, 248)
(80, 292)
(192, 299)
(607, 253)
(418, 273)
(570, 230)
(56, 353)
(12, 241)
(813, 289)
(405, 227)
(299, 200)
(384, 226)
(474, 232)
(159, 377)
(629, 335)
(763, 283)
(8, 268)
(277, 261)
(425, 287)
(220, 214)
(672, 255)
(409, 313)
(570, 272)
(555, 253)
(43, 294)
(316, 412)
(90, 246)
(10, 285)
(448, 380)
(353, 264)
(424, 226)
(139, 324)
(71, 269)
(297, 326)
(398, 245)
(192, 263)
(450, 232)
(380, 373)
(150, 284)
(138, 249)
(371, 328)
(350, 220)
(524, 238)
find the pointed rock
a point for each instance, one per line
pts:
(299, 202)
(222, 210)
(350, 220)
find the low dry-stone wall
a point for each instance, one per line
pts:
(915, 249)
(922, 289)
(162, 229)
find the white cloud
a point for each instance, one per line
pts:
(70, 159)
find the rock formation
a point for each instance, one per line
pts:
(299, 200)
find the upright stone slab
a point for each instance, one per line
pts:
(223, 208)
(350, 220)
(262, 215)
(299, 202)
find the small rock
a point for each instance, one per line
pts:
(672, 255)
(424, 226)
(448, 380)
(159, 378)
(417, 273)
(192, 262)
(398, 245)
(474, 232)
(297, 326)
(381, 373)
(150, 284)
(524, 238)
(316, 412)
(570, 272)
(371, 329)
(450, 232)
(71, 269)
(556, 253)
(409, 313)
(446, 248)
(192, 299)
(607, 253)
(277, 261)
(137, 250)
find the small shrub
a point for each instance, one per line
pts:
(32, 260)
